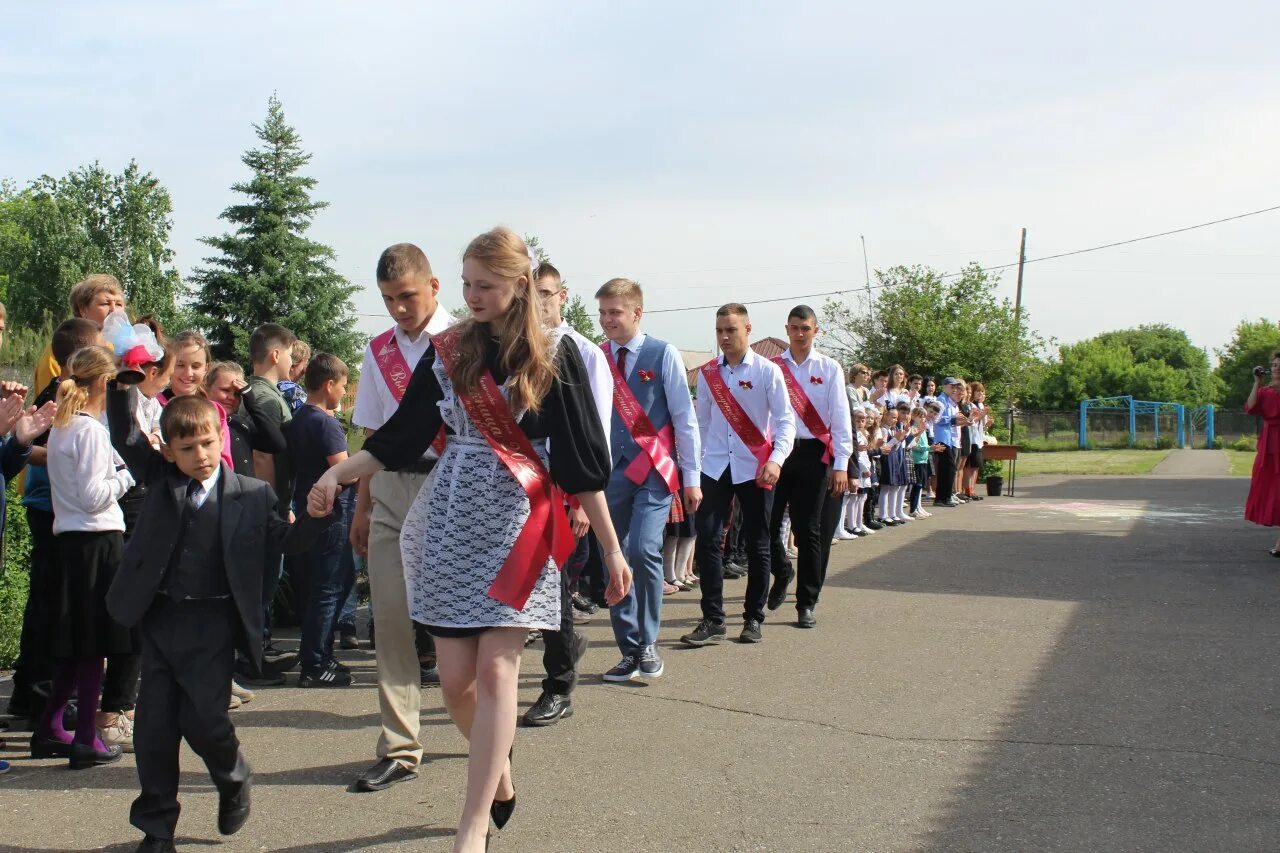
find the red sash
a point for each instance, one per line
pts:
(395, 372)
(737, 416)
(546, 533)
(804, 407)
(658, 445)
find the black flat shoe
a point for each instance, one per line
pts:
(152, 844)
(384, 774)
(234, 811)
(47, 747)
(549, 709)
(501, 810)
(84, 756)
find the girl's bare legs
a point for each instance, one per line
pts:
(478, 679)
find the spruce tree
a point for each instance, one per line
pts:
(267, 270)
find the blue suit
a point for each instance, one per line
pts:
(639, 512)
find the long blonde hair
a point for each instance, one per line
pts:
(86, 366)
(525, 356)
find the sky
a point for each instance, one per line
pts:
(714, 151)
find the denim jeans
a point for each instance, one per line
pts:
(639, 514)
(320, 570)
(347, 616)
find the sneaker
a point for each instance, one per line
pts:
(650, 663)
(326, 678)
(4, 767)
(584, 604)
(241, 694)
(428, 675)
(733, 571)
(706, 632)
(233, 702)
(918, 514)
(116, 730)
(532, 637)
(348, 640)
(625, 670)
(750, 632)
(334, 663)
(843, 534)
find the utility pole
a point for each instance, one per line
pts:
(1017, 324)
(866, 270)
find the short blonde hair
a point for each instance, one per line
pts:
(217, 369)
(622, 288)
(83, 293)
(301, 351)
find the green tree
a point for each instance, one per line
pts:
(1251, 346)
(267, 270)
(938, 326)
(1154, 362)
(575, 310)
(56, 231)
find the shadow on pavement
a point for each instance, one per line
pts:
(1152, 721)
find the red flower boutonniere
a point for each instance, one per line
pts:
(744, 383)
(815, 380)
(646, 375)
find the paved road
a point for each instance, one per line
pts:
(1193, 463)
(1089, 666)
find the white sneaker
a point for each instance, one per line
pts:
(843, 535)
(118, 732)
(902, 518)
(245, 696)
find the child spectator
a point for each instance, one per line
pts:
(251, 427)
(316, 443)
(294, 393)
(34, 667)
(87, 479)
(192, 583)
(920, 450)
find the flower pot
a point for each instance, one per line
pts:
(995, 485)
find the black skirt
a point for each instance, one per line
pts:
(80, 626)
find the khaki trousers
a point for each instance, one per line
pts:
(399, 678)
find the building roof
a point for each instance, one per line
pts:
(765, 348)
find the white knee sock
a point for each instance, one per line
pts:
(684, 555)
(669, 559)
(858, 506)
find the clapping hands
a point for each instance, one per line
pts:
(27, 424)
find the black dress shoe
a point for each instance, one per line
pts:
(384, 774)
(733, 571)
(804, 618)
(778, 592)
(549, 709)
(84, 755)
(234, 811)
(151, 844)
(47, 747)
(502, 810)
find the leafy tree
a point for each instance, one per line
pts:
(1154, 362)
(56, 231)
(575, 310)
(267, 270)
(1251, 346)
(938, 326)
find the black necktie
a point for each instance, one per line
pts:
(622, 361)
(193, 489)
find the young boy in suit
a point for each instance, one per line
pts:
(192, 582)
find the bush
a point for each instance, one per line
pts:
(1164, 442)
(1245, 444)
(991, 468)
(14, 578)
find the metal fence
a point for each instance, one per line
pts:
(1043, 430)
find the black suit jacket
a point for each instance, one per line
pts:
(253, 534)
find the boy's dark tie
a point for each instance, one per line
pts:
(193, 489)
(622, 361)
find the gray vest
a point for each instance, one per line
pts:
(650, 393)
(197, 568)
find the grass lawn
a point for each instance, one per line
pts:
(1091, 462)
(1241, 462)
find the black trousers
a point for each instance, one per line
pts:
(34, 663)
(802, 490)
(756, 505)
(188, 652)
(947, 462)
(557, 646)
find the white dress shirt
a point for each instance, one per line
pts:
(822, 379)
(766, 404)
(375, 404)
(206, 487)
(675, 383)
(599, 377)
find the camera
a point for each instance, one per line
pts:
(1261, 371)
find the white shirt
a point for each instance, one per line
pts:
(206, 487)
(599, 377)
(375, 404)
(675, 384)
(148, 412)
(86, 478)
(765, 403)
(828, 398)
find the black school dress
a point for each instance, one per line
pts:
(463, 524)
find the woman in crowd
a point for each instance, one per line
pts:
(1263, 505)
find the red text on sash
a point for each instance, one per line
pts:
(395, 372)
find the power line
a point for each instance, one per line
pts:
(987, 269)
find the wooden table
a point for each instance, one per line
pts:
(1004, 453)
